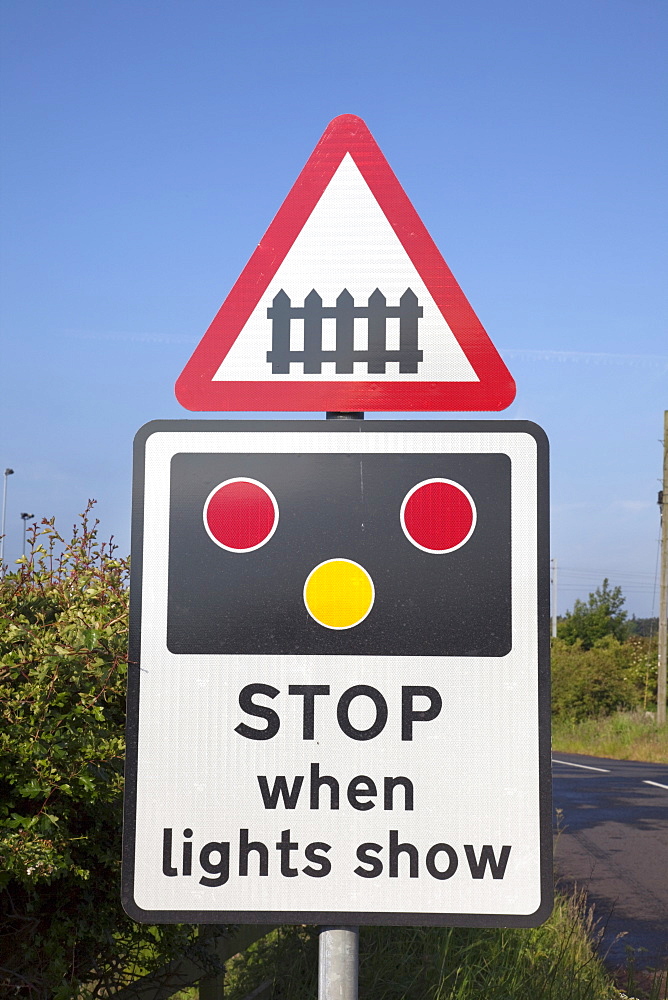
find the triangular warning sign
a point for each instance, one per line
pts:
(346, 304)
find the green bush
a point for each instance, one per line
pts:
(595, 681)
(641, 670)
(63, 643)
(598, 663)
(586, 682)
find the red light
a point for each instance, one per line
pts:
(240, 515)
(438, 515)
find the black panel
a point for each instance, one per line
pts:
(340, 506)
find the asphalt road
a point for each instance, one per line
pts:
(613, 841)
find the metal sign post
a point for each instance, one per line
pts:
(339, 947)
(338, 963)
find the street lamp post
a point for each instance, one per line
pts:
(8, 472)
(25, 518)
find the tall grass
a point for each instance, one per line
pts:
(552, 962)
(622, 735)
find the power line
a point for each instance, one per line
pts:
(607, 574)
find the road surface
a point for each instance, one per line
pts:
(613, 818)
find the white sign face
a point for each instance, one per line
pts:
(339, 705)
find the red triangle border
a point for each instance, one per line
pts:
(195, 388)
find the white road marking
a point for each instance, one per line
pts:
(656, 783)
(587, 767)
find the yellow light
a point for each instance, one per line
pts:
(338, 593)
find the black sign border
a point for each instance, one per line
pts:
(328, 917)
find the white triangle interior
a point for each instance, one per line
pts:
(347, 242)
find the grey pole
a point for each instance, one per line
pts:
(25, 517)
(338, 947)
(338, 963)
(8, 472)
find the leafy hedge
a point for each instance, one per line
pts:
(609, 675)
(63, 647)
(598, 663)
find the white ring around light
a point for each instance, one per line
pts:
(450, 482)
(241, 479)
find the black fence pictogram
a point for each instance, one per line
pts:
(376, 312)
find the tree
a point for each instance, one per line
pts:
(645, 627)
(596, 618)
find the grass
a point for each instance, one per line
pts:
(623, 735)
(552, 962)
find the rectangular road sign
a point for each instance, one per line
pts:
(339, 686)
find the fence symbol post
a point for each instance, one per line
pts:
(377, 325)
(313, 314)
(280, 315)
(409, 313)
(345, 333)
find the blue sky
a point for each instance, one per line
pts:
(146, 147)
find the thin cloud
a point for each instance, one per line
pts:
(634, 505)
(589, 358)
(142, 338)
(564, 508)
(573, 357)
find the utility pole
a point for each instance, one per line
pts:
(553, 581)
(663, 583)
